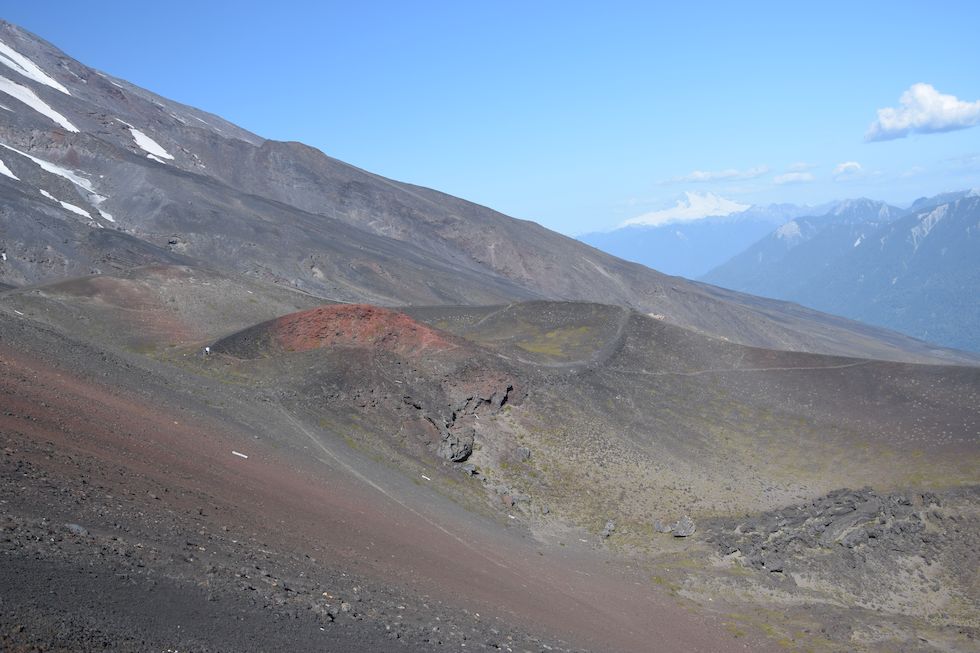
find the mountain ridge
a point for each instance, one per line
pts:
(886, 267)
(290, 214)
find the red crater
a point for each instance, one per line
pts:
(357, 325)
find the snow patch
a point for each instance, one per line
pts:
(859, 240)
(74, 209)
(66, 205)
(21, 64)
(5, 171)
(28, 97)
(70, 175)
(789, 231)
(149, 145)
(96, 201)
(926, 224)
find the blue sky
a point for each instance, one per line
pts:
(576, 115)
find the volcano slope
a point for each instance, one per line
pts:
(129, 522)
(157, 306)
(580, 415)
(632, 420)
(456, 461)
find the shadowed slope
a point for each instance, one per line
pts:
(155, 307)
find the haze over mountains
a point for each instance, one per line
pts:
(916, 271)
(255, 398)
(692, 248)
(828, 232)
(823, 257)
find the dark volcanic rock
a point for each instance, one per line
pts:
(843, 520)
(456, 446)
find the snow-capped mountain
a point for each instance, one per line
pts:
(915, 271)
(692, 247)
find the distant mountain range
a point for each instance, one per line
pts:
(916, 271)
(691, 249)
(807, 245)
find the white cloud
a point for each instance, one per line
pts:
(847, 170)
(793, 178)
(693, 207)
(699, 176)
(925, 110)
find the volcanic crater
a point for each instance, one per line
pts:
(339, 326)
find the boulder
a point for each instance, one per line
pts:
(457, 445)
(662, 527)
(684, 527)
(609, 529)
(76, 529)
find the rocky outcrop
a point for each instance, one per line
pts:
(842, 520)
(454, 426)
(456, 446)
